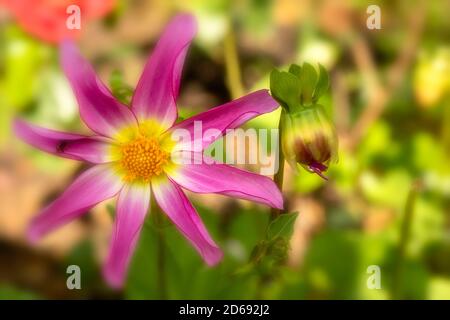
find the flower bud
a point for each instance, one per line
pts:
(309, 139)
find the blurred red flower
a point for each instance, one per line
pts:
(46, 19)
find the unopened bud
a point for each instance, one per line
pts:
(309, 139)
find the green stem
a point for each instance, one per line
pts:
(405, 230)
(161, 256)
(445, 130)
(233, 70)
(279, 175)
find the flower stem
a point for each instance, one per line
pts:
(445, 130)
(161, 256)
(404, 239)
(278, 177)
(233, 70)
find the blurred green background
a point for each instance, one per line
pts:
(388, 198)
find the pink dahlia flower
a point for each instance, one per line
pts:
(46, 19)
(131, 152)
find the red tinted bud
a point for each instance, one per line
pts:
(309, 139)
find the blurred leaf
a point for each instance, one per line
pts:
(258, 252)
(439, 289)
(6, 118)
(185, 273)
(332, 264)
(268, 256)
(120, 90)
(23, 58)
(12, 293)
(428, 225)
(256, 17)
(345, 173)
(416, 289)
(278, 249)
(282, 226)
(428, 154)
(322, 84)
(377, 138)
(388, 189)
(142, 274)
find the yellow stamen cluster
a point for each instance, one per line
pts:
(142, 159)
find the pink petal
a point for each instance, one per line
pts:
(227, 116)
(101, 112)
(93, 186)
(132, 208)
(157, 90)
(223, 179)
(176, 205)
(66, 145)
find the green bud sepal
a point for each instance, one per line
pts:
(308, 137)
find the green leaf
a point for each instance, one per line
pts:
(258, 252)
(278, 249)
(296, 70)
(322, 84)
(308, 82)
(285, 88)
(282, 226)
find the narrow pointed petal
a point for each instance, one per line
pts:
(93, 186)
(101, 112)
(132, 207)
(201, 177)
(172, 200)
(157, 90)
(67, 145)
(227, 116)
(319, 169)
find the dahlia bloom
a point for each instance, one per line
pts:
(131, 152)
(46, 19)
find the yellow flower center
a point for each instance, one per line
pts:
(143, 158)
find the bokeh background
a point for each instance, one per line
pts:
(387, 201)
